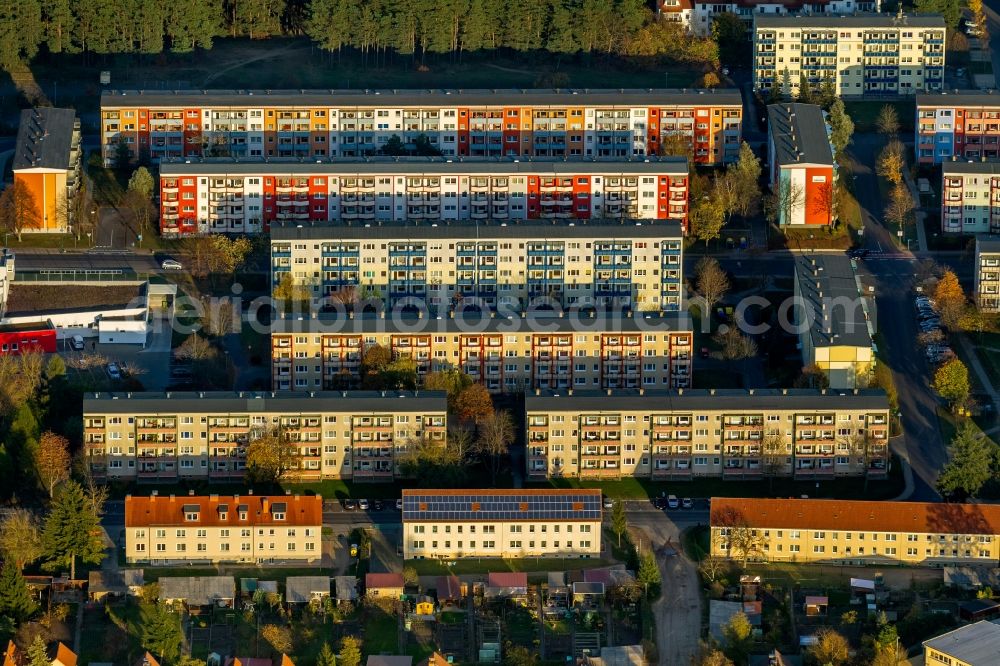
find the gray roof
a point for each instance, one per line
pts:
(859, 20)
(250, 401)
(389, 660)
(501, 505)
(596, 229)
(588, 588)
(798, 132)
(626, 97)
(988, 98)
(303, 589)
(349, 166)
(680, 400)
(198, 590)
(44, 139)
(975, 644)
(830, 298)
(988, 245)
(115, 582)
(977, 167)
(346, 587)
(604, 322)
(557, 579)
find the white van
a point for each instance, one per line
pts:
(76, 342)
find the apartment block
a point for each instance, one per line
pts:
(986, 290)
(697, 15)
(504, 353)
(972, 645)
(157, 124)
(46, 161)
(803, 174)
(970, 196)
(597, 263)
(689, 433)
(175, 436)
(449, 524)
(832, 317)
(963, 124)
(240, 196)
(864, 54)
(858, 532)
(223, 529)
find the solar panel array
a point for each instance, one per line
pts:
(515, 507)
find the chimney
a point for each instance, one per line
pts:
(263, 505)
(191, 493)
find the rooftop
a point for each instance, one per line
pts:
(988, 245)
(510, 505)
(45, 139)
(303, 589)
(858, 515)
(361, 166)
(510, 579)
(197, 590)
(608, 229)
(224, 510)
(383, 580)
(831, 301)
(859, 20)
(975, 644)
(953, 98)
(257, 402)
(799, 134)
(977, 167)
(732, 400)
(625, 97)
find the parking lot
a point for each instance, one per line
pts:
(149, 366)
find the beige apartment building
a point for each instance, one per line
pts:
(356, 435)
(212, 529)
(504, 353)
(863, 54)
(590, 263)
(860, 532)
(689, 433)
(972, 645)
(448, 524)
(986, 289)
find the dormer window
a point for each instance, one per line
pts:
(278, 516)
(222, 515)
(243, 510)
(243, 515)
(191, 512)
(223, 511)
(278, 510)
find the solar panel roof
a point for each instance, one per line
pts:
(505, 507)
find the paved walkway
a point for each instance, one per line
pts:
(903, 455)
(977, 367)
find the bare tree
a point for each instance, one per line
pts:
(745, 542)
(19, 209)
(862, 448)
(785, 201)
(496, 434)
(20, 538)
(774, 453)
(712, 281)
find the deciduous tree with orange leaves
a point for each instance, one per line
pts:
(950, 299)
(52, 460)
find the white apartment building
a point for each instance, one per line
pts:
(697, 15)
(970, 196)
(449, 524)
(597, 263)
(986, 290)
(864, 54)
(240, 196)
(689, 433)
(214, 529)
(357, 435)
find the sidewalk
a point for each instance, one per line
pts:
(977, 367)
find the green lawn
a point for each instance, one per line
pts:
(250, 571)
(488, 565)
(696, 542)
(381, 632)
(865, 113)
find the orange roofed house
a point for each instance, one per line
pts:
(229, 528)
(46, 163)
(802, 170)
(13, 656)
(858, 532)
(501, 523)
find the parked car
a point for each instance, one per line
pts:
(349, 504)
(673, 502)
(659, 502)
(608, 502)
(399, 504)
(76, 342)
(687, 503)
(363, 504)
(113, 371)
(377, 505)
(354, 550)
(171, 265)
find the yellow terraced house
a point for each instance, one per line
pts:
(448, 524)
(357, 435)
(687, 433)
(859, 532)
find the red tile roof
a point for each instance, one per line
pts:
(148, 660)
(12, 656)
(857, 516)
(507, 579)
(302, 510)
(449, 587)
(64, 656)
(383, 580)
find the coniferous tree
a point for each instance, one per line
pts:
(15, 599)
(72, 530)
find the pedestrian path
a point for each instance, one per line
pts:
(977, 367)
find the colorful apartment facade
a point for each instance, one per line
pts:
(963, 124)
(863, 54)
(157, 124)
(803, 174)
(449, 524)
(215, 529)
(857, 532)
(505, 353)
(697, 15)
(970, 196)
(355, 435)
(46, 162)
(494, 265)
(239, 196)
(720, 433)
(986, 286)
